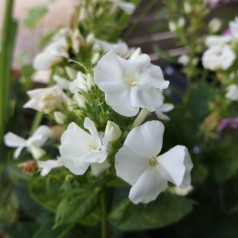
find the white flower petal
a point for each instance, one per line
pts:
(149, 98)
(13, 140)
(107, 69)
(173, 162)
(89, 125)
(17, 152)
(146, 139)
(121, 103)
(36, 152)
(188, 167)
(149, 185)
(98, 169)
(48, 165)
(130, 164)
(77, 170)
(166, 107)
(40, 136)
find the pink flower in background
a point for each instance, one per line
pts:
(227, 123)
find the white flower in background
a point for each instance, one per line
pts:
(232, 92)
(82, 82)
(51, 55)
(172, 26)
(41, 76)
(187, 7)
(127, 7)
(215, 25)
(46, 99)
(166, 107)
(214, 40)
(80, 149)
(48, 165)
(218, 57)
(121, 48)
(183, 59)
(130, 84)
(234, 28)
(61, 82)
(33, 143)
(139, 164)
(59, 117)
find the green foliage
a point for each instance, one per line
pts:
(166, 210)
(76, 205)
(44, 189)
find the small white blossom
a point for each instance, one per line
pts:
(183, 59)
(48, 165)
(139, 164)
(82, 82)
(80, 149)
(120, 47)
(218, 57)
(33, 143)
(51, 55)
(127, 7)
(215, 25)
(166, 107)
(116, 131)
(46, 99)
(234, 28)
(130, 84)
(181, 191)
(59, 117)
(232, 92)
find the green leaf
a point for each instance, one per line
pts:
(46, 191)
(76, 205)
(167, 209)
(34, 15)
(47, 230)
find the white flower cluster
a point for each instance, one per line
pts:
(130, 87)
(220, 54)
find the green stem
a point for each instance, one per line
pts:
(6, 52)
(104, 215)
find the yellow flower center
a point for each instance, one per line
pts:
(131, 80)
(153, 161)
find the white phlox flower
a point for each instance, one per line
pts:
(139, 164)
(218, 57)
(121, 48)
(127, 7)
(51, 55)
(232, 92)
(46, 99)
(80, 149)
(233, 25)
(33, 143)
(48, 165)
(160, 112)
(130, 84)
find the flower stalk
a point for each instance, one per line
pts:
(104, 215)
(6, 52)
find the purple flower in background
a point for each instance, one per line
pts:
(227, 123)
